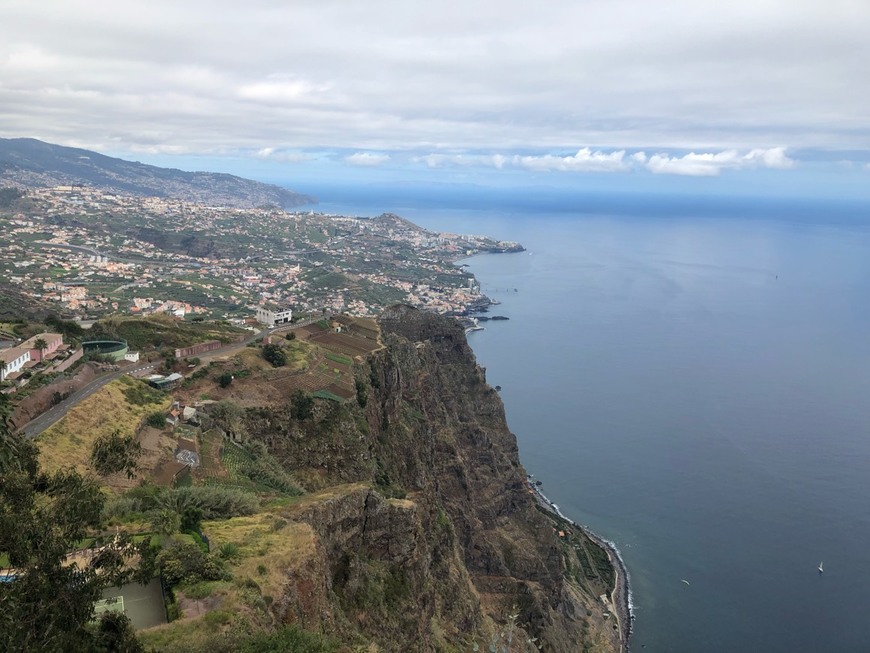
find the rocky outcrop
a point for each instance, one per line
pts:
(436, 544)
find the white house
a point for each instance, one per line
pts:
(273, 316)
(15, 358)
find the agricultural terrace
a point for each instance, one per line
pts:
(320, 362)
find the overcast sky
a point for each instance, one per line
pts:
(560, 89)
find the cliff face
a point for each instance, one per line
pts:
(426, 536)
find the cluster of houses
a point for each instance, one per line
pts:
(16, 360)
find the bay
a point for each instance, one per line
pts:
(697, 390)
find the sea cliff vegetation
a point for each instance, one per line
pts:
(386, 511)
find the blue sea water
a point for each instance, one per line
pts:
(695, 388)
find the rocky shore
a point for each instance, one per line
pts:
(620, 598)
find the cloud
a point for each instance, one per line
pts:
(284, 156)
(284, 90)
(485, 76)
(497, 161)
(367, 159)
(705, 164)
(585, 160)
(711, 164)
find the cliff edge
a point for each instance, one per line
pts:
(421, 532)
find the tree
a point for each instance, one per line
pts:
(225, 379)
(301, 406)
(114, 452)
(41, 345)
(49, 606)
(229, 416)
(165, 521)
(191, 519)
(275, 355)
(2, 369)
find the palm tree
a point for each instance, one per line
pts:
(40, 344)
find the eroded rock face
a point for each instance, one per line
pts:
(466, 546)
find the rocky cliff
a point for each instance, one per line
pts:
(424, 535)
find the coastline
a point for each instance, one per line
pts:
(620, 597)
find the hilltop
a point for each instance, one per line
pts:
(30, 163)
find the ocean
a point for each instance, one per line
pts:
(696, 389)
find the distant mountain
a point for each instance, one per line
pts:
(29, 163)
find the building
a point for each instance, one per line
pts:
(273, 316)
(53, 341)
(15, 358)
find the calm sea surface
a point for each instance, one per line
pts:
(698, 392)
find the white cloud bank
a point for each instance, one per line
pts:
(710, 164)
(706, 164)
(367, 159)
(584, 161)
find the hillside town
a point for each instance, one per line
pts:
(94, 253)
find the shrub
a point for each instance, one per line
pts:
(275, 355)
(301, 406)
(141, 394)
(229, 551)
(156, 419)
(215, 502)
(187, 562)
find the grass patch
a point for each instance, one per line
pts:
(338, 358)
(259, 543)
(326, 394)
(68, 443)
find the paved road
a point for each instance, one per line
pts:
(37, 425)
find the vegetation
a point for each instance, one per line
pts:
(162, 332)
(225, 379)
(275, 355)
(114, 452)
(69, 442)
(187, 562)
(156, 420)
(229, 417)
(241, 636)
(140, 393)
(301, 406)
(50, 605)
(211, 502)
(338, 358)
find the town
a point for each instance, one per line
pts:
(94, 253)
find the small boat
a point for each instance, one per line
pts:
(821, 570)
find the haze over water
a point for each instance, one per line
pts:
(697, 390)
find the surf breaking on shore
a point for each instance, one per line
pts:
(621, 597)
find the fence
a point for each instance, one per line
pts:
(200, 348)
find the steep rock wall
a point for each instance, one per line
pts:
(439, 543)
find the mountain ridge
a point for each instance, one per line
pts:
(31, 163)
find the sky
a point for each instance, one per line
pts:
(748, 96)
